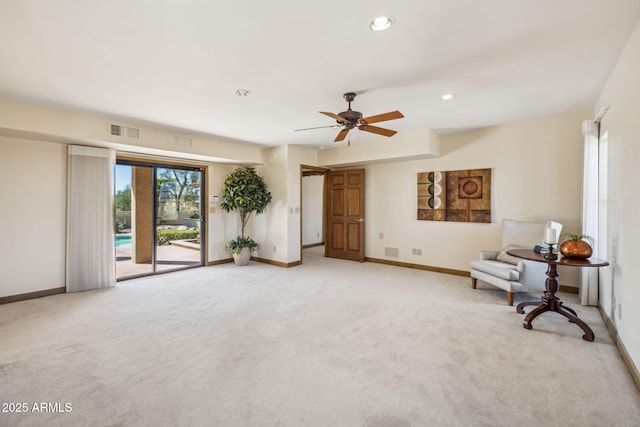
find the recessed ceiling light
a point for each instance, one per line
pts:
(448, 96)
(243, 92)
(381, 23)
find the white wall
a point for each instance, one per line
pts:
(221, 226)
(622, 93)
(419, 144)
(279, 226)
(270, 228)
(312, 206)
(536, 175)
(32, 215)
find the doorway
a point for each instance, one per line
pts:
(159, 218)
(342, 212)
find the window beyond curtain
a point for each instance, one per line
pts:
(590, 203)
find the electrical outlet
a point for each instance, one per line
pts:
(318, 234)
(419, 252)
(381, 235)
(274, 249)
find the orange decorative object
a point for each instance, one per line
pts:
(576, 249)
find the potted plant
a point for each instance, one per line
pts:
(193, 221)
(576, 246)
(246, 192)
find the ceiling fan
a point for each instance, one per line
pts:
(350, 119)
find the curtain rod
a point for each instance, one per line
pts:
(601, 113)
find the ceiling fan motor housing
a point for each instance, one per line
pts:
(351, 116)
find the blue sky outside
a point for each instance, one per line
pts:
(123, 177)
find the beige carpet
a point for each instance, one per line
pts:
(328, 343)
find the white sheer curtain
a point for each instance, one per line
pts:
(590, 202)
(90, 247)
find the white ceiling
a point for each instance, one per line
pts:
(179, 63)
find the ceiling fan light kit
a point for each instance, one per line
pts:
(350, 119)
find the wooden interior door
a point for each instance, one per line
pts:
(345, 214)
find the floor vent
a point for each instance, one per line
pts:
(179, 141)
(392, 252)
(127, 132)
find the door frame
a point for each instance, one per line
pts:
(204, 202)
(314, 170)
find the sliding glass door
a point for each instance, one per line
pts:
(178, 218)
(158, 218)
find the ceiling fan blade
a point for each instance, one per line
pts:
(376, 129)
(319, 127)
(392, 115)
(342, 135)
(334, 116)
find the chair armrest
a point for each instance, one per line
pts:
(531, 273)
(489, 254)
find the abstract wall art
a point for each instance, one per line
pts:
(461, 196)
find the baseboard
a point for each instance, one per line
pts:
(31, 295)
(312, 245)
(262, 260)
(277, 263)
(568, 289)
(420, 267)
(626, 357)
(219, 261)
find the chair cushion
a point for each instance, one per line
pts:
(496, 268)
(505, 257)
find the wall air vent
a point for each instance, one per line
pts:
(127, 132)
(179, 141)
(391, 252)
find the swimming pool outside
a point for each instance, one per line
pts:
(122, 239)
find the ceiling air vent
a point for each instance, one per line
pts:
(179, 141)
(118, 130)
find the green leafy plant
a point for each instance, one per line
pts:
(235, 246)
(246, 192)
(166, 236)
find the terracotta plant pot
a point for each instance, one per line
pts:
(578, 249)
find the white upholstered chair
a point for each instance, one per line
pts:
(509, 273)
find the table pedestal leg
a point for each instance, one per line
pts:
(549, 302)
